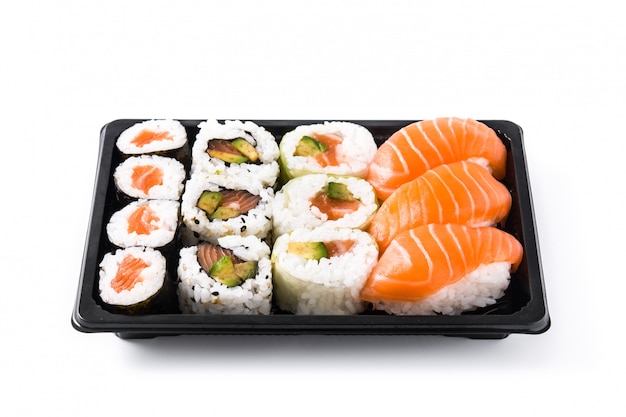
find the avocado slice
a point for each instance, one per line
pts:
(223, 271)
(232, 274)
(308, 250)
(339, 191)
(224, 213)
(246, 149)
(309, 147)
(224, 150)
(209, 201)
(245, 270)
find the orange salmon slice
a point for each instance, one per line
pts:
(128, 273)
(421, 261)
(142, 221)
(146, 137)
(460, 192)
(424, 145)
(144, 177)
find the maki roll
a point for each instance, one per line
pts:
(236, 149)
(340, 148)
(322, 271)
(150, 177)
(232, 276)
(162, 137)
(134, 281)
(149, 223)
(216, 205)
(320, 200)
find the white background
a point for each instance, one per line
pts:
(558, 69)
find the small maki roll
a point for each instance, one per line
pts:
(233, 276)
(320, 200)
(149, 223)
(134, 281)
(322, 271)
(340, 148)
(216, 205)
(164, 137)
(150, 177)
(236, 149)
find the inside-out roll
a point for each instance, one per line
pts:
(340, 148)
(232, 276)
(236, 149)
(216, 205)
(322, 271)
(320, 200)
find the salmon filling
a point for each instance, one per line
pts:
(128, 273)
(222, 265)
(332, 207)
(330, 156)
(338, 247)
(208, 254)
(146, 137)
(241, 200)
(142, 221)
(145, 177)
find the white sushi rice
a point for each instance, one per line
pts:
(175, 129)
(356, 150)
(328, 286)
(164, 224)
(199, 293)
(152, 277)
(292, 207)
(256, 222)
(264, 173)
(173, 177)
(480, 288)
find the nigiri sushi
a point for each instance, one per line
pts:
(443, 269)
(461, 192)
(421, 146)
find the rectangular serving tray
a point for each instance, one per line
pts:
(523, 309)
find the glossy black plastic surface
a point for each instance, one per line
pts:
(523, 309)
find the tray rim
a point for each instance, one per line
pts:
(533, 318)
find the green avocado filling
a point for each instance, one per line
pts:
(308, 250)
(339, 191)
(236, 151)
(309, 147)
(230, 274)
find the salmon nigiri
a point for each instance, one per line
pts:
(421, 146)
(460, 192)
(444, 269)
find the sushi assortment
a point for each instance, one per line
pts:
(318, 221)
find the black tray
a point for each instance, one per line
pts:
(523, 309)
